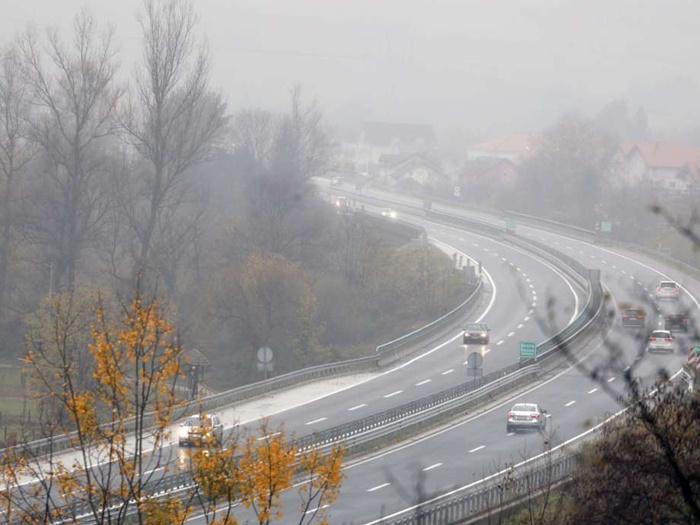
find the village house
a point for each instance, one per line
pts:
(665, 166)
(412, 170)
(482, 178)
(377, 139)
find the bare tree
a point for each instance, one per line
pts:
(281, 155)
(173, 120)
(73, 86)
(15, 154)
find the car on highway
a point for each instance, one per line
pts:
(661, 341)
(676, 323)
(634, 318)
(478, 333)
(526, 416)
(389, 213)
(201, 430)
(667, 291)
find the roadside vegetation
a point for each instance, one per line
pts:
(117, 406)
(103, 182)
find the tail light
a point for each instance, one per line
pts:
(511, 414)
(625, 316)
(669, 339)
(535, 416)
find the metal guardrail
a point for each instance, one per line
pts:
(429, 329)
(437, 400)
(483, 500)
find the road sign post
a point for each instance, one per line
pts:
(528, 350)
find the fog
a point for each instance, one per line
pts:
(486, 66)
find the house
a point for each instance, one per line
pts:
(485, 177)
(375, 139)
(412, 169)
(667, 166)
(515, 147)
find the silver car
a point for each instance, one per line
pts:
(667, 291)
(661, 341)
(523, 416)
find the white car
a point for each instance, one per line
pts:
(667, 291)
(523, 416)
(661, 341)
(201, 430)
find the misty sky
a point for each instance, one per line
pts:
(489, 66)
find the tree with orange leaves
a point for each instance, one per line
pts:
(119, 428)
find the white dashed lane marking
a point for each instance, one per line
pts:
(611, 380)
(423, 382)
(378, 487)
(520, 326)
(448, 371)
(394, 393)
(592, 391)
(527, 318)
(477, 448)
(357, 407)
(317, 420)
(500, 342)
(511, 334)
(570, 403)
(431, 467)
(317, 509)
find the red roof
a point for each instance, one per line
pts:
(664, 154)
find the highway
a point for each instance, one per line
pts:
(390, 484)
(518, 286)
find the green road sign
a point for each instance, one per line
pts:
(606, 227)
(528, 350)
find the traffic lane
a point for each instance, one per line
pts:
(433, 374)
(537, 278)
(479, 448)
(550, 299)
(470, 450)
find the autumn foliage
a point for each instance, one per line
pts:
(120, 423)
